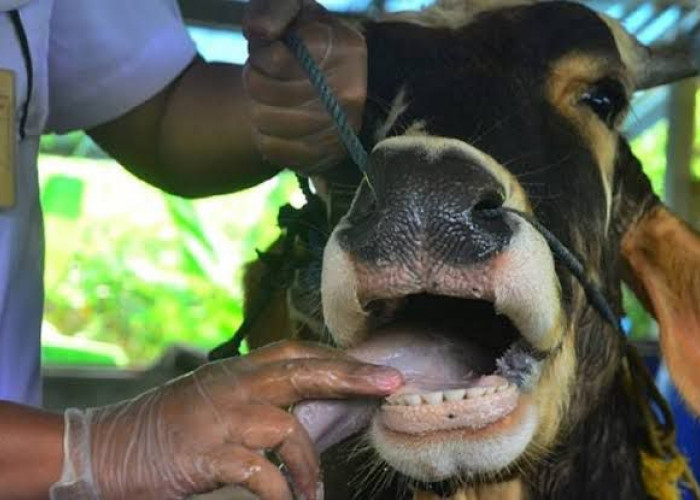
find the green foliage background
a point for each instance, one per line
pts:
(131, 270)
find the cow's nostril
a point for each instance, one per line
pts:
(488, 207)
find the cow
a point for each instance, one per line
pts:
(515, 383)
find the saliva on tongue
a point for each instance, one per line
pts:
(428, 361)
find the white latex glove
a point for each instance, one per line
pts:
(211, 427)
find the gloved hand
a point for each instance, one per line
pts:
(212, 427)
(290, 125)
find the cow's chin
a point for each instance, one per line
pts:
(462, 453)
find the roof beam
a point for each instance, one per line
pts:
(229, 13)
(212, 12)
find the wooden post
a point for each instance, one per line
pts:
(679, 148)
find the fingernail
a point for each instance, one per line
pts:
(385, 378)
(318, 493)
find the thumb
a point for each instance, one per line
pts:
(266, 20)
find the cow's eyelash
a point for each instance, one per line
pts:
(608, 99)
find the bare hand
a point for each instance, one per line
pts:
(290, 125)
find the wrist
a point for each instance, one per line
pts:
(76, 478)
(31, 442)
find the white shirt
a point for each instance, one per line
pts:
(93, 61)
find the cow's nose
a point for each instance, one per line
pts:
(435, 201)
(409, 176)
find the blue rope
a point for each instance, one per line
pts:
(318, 80)
(573, 264)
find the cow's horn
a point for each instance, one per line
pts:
(668, 63)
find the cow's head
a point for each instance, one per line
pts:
(471, 109)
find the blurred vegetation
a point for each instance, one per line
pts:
(131, 270)
(650, 147)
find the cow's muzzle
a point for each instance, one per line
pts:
(421, 275)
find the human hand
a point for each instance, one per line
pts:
(290, 125)
(213, 426)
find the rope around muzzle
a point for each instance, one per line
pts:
(663, 466)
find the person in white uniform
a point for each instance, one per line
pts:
(128, 73)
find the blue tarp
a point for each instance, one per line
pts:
(687, 425)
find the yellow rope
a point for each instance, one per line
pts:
(661, 476)
(664, 467)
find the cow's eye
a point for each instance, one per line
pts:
(607, 99)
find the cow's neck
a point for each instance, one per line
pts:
(599, 458)
(510, 490)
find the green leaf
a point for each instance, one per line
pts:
(198, 252)
(62, 196)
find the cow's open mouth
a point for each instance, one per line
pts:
(466, 368)
(465, 365)
(470, 340)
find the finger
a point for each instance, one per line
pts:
(323, 148)
(266, 20)
(277, 61)
(287, 382)
(347, 84)
(233, 493)
(237, 465)
(265, 90)
(232, 369)
(265, 427)
(276, 121)
(293, 349)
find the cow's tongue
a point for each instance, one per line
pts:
(428, 360)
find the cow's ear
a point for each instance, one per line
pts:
(661, 254)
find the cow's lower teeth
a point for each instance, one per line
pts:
(474, 392)
(455, 395)
(435, 398)
(412, 400)
(432, 398)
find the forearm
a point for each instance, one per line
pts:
(31, 451)
(193, 138)
(205, 134)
